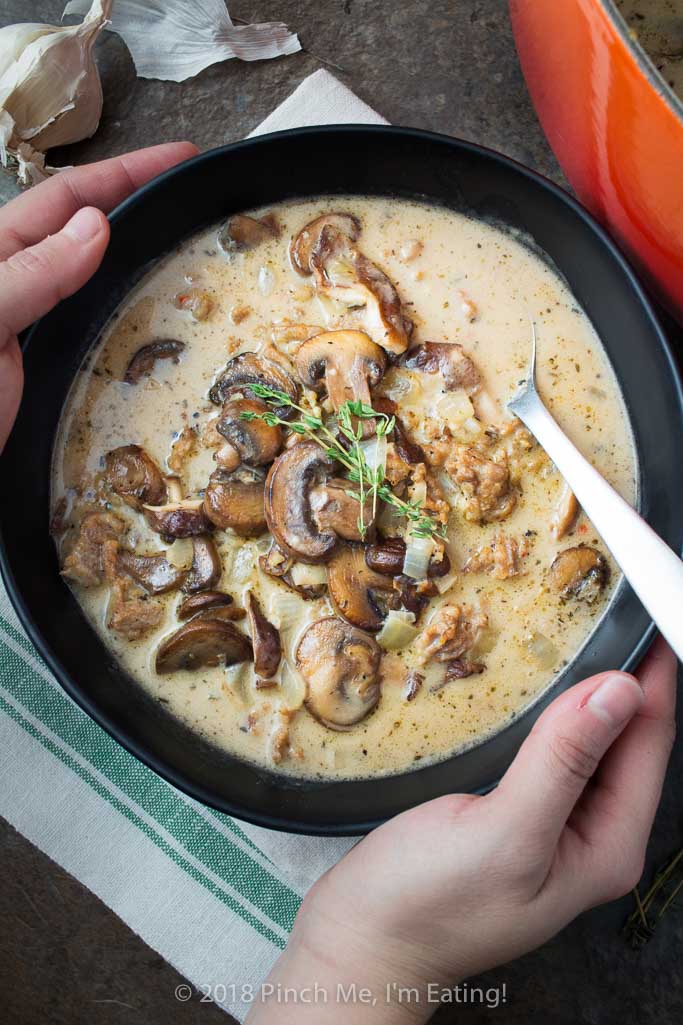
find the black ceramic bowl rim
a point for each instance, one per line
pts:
(340, 807)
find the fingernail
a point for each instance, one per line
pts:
(616, 699)
(84, 225)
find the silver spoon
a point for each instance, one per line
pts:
(652, 569)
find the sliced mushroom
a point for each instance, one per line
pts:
(344, 273)
(256, 442)
(234, 500)
(143, 361)
(340, 666)
(345, 363)
(387, 557)
(204, 601)
(565, 513)
(134, 476)
(580, 572)
(303, 244)
(287, 503)
(178, 519)
(450, 360)
(265, 639)
(279, 565)
(251, 368)
(206, 568)
(334, 509)
(243, 232)
(358, 594)
(203, 642)
(154, 572)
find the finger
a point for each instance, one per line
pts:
(615, 816)
(11, 385)
(33, 280)
(45, 209)
(562, 752)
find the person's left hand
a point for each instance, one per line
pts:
(52, 239)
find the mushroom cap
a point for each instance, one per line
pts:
(202, 642)
(153, 572)
(142, 362)
(346, 363)
(265, 639)
(242, 232)
(334, 509)
(387, 557)
(304, 242)
(234, 500)
(252, 368)
(355, 590)
(340, 666)
(177, 519)
(580, 572)
(134, 476)
(256, 441)
(203, 601)
(287, 503)
(206, 568)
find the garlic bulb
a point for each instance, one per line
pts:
(50, 92)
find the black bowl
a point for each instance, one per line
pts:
(306, 162)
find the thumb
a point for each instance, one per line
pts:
(563, 751)
(33, 280)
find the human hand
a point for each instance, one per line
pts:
(52, 239)
(464, 883)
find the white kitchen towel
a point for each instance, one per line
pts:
(214, 896)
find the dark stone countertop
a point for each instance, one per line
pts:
(450, 66)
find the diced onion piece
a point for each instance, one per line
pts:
(265, 281)
(375, 452)
(292, 688)
(419, 551)
(398, 631)
(308, 576)
(180, 553)
(542, 649)
(455, 408)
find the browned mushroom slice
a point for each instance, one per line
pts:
(340, 666)
(565, 513)
(251, 368)
(206, 568)
(202, 602)
(304, 242)
(265, 639)
(450, 360)
(335, 509)
(580, 572)
(344, 273)
(134, 476)
(256, 442)
(154, 572)
(177, 519)
(243, 232)
(358, 594)
(287, 503)
(203, 642)
(347, 364)
(234, 500)
(143, 361)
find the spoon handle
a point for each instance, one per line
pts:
(653, 570)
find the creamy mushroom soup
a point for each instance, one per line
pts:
(288, 496)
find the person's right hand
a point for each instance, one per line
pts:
(464, 883)
(52, 239)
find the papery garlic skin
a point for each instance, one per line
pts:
(50, 91)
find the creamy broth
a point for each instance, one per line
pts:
(460, 281)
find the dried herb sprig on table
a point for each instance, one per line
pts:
(370, 479)
(666, 886)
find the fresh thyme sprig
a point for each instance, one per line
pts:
(370, 480)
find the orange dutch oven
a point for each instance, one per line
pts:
(615, 126)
